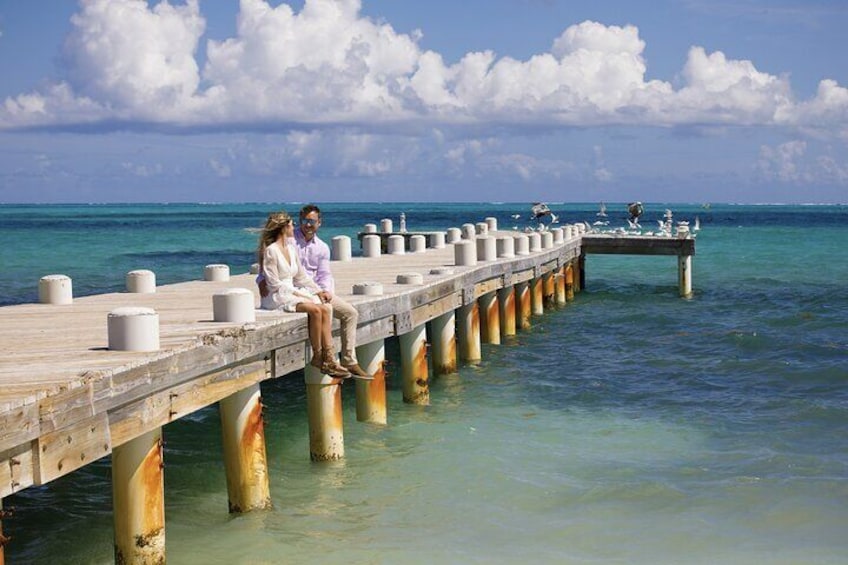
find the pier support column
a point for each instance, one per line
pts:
(413, 366)
(371, 395)
(443, 343)
(569, 281)
(684, 275)
(469, 333)
(523, 302)
(138, 500)
(580, 278)
(3, 539)
(490, 323)
(506, 303)
(245, 460)
(559, 283)
(324, 412)
(548, 288)
(537, 296)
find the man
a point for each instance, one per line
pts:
(314, 255)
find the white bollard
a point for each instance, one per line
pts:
(341, 248)
(558, 236)
(386, 225)
(55, 289)
(465, 253)
(469, 231)
(492, 222)
(547, 240)
(535, 240)
(396, 245)
(133, 329)
(254, 269)
(216, 273)
(486, 248)
(505, 246)
(371, 246)
(410, 278)
(437, 240)
(368, 288)
(233, 305)
(141, 281)
(453, 235)
(522, 245)
(417, 244)
(370, 228)
(481, 228)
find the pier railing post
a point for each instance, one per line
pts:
(443, 343)
(469, 333)
(371, 395)
(138, 495)
(490, 323)
(413, 364)
(324, 412)
(245, 459)
(684, 275)
(506, 304)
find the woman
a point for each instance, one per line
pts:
(290, 288)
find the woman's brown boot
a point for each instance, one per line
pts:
(329, 366)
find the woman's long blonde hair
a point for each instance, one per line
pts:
(277, 221)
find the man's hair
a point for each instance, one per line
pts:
(308, 209)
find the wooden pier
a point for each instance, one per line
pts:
(67, 399)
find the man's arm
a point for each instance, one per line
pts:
(323, 276)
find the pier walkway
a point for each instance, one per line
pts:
(67, 399)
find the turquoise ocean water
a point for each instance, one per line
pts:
(631, 426)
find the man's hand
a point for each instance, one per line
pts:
(325, 296)
(263, 288)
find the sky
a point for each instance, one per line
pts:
(691, 101)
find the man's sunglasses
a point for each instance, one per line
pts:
(309, 221)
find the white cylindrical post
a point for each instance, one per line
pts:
(535, 240)
(505, 246)
(324, 413)
(465, 253)
(141, 281)
(396, 245)
(547, 240)
(133, 329)
(386, 225)
(469, 231)
(684, 275)
(216, 273)
(437, 240)
(453, 235)
(371, 395)
(443, 343)
(470, 349)
(138, 499)
(55, 289)
(410, 278)
(368, 288)
(481, 228)
(486, 248)
(371, 246)
(245, 459)
(254, 268)
(522, 244)
(413, 362)
(559, 236)
(492, 222)
(341, 248)
(234, 305)
(417, 243)
(369, 228)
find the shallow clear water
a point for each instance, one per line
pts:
(629, 427)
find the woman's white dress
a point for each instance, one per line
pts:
(288, 283)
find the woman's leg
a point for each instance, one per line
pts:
(314, 325)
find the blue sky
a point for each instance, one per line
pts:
(390, 100)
